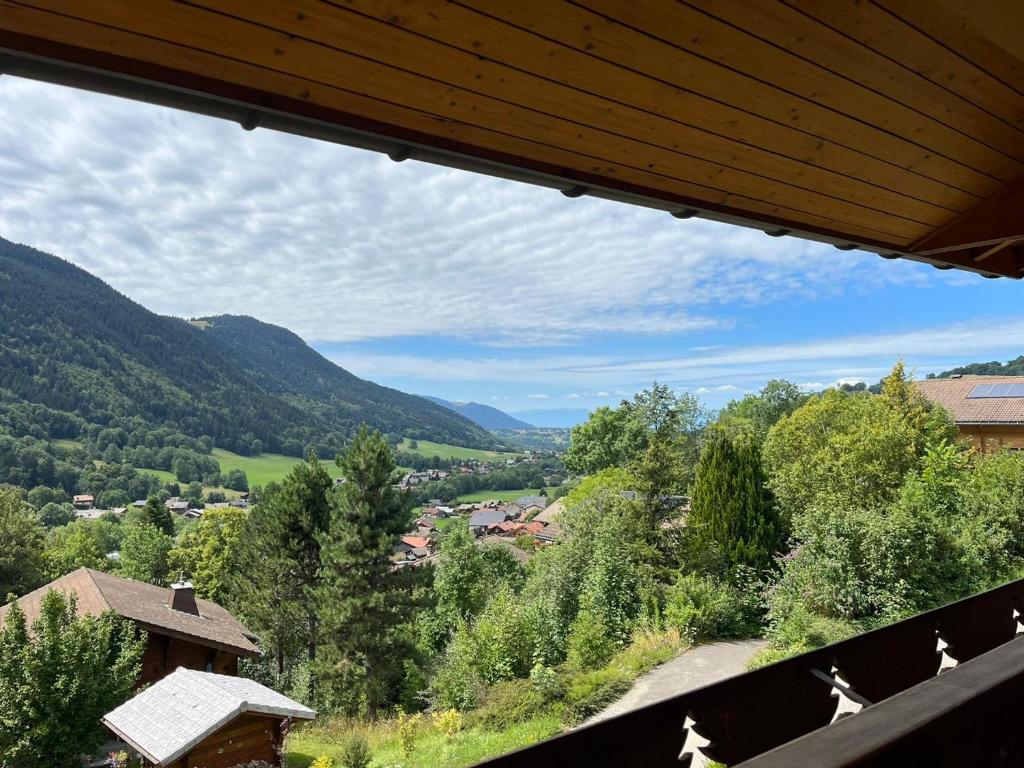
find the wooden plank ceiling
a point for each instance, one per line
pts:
(894, 125)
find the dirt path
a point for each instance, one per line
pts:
(692, 669)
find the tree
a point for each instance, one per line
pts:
(206, 551)
(157, 514)
(72, 547)
(458, 580)
(144, 553)
(52, 515)
(236, 480)
(754, 415)
(732, 508)
(365, 603)
(58, 680)
(851, 450)
(22, 565)
(279, 559)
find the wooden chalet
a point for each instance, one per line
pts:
(894, 127)
(182, 630)
(988, 410)
(195, 719)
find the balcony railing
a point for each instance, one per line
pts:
(911, 714)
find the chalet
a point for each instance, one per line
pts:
(988, 410)
(482, 519)
(182, 630)
(176, 505)
(550, 519)
(83, 501)
(416, 542)
(192, 718)
(527, 503)
(443, 511)
(424, 523)
(513, 511)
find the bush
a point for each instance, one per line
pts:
(449, 722)
(589, 645)
(354, 754)
(325, 761)
(702, 608)
(594, 701)
(507, 703)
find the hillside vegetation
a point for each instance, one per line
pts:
(74, 352)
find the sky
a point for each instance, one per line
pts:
(458, 285)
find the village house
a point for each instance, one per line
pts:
(550, 519)
(192, 718)
(182, 630)
(521, 555)
(83, 501)
(482, 519)
(177, 505)
(988, 410)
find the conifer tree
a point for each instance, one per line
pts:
(732, 507)
(278, 566)
(158, 515)
(365, 605)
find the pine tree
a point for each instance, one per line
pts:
(158, 515)
(278, 566)
(364, 602)
(732, 507)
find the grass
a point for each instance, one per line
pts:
(265, 468)
(68, 445)
(587, 692)
(432, 747)
(443, 450)
(499, 495)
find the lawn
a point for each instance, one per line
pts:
(445, 451)
(68, 445)
(432, 748)
(466, 498)
(264, 468)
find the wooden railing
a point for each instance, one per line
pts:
(749, 715)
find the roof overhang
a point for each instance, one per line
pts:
(895, 127)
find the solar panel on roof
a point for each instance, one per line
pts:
(996, 390)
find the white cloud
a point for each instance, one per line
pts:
(573, 396)
(718, 389)
(539, 396)
(191, 216)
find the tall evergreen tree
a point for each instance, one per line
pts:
(732, 507)
(278, 566)
(365, 604)
(158, 515)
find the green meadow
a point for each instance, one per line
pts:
(443, 450)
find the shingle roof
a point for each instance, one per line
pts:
(952, 394)
(145, 604)
(485, 517)
(172, 716)
(550, 512)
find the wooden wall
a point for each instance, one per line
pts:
(992, 438)
(250, 737)
(165, 654)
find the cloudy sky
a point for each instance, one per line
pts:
(447, 283)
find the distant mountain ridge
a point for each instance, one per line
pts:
(995, 368)
(73, 345)
(554, 417)
(484, 415)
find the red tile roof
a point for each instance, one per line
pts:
(952, 394)
(416, 541)
(146, 604)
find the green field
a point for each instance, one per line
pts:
(68, 445)
(445, 451)
(264, 468)
(499, 495)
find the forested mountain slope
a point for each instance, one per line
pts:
(484, 415)
(994, 368)
(74, 351)
(283, 364)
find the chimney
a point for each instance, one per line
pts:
(183, 598)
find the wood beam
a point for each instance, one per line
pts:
(994, 223)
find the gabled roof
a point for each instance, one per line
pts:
(952, 394)
(146, 604)
(416, 541)
(485, 517)
(550, 512)
(172, 716)
(532, 501)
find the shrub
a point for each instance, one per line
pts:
(449, 722)
(594, 701)
(507, 703)
(354, 754)
(702, 608)
(407, 728)
(589, 645)
(324, 761)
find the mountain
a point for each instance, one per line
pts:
(553, 417)
(74, 352)
(284, 365)
(484, 415)
(994, 368)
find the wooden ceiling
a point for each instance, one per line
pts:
(894, 125)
